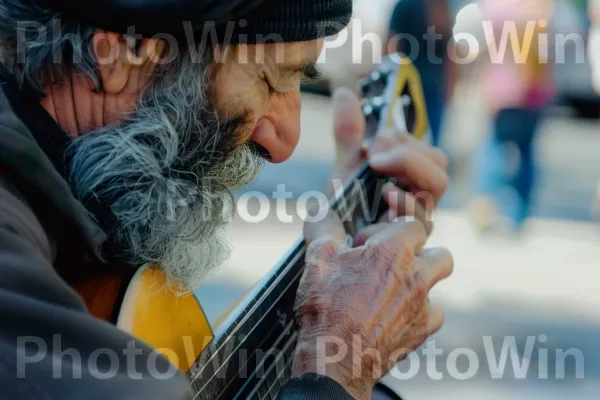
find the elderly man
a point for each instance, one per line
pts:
(105, 133)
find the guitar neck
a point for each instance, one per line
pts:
(252, 358)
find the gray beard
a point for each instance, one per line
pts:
(160, 183)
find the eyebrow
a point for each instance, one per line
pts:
(308, 70)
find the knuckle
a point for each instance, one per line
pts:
(372, 253)
(405, 255)
(415, 229)
(412, 307)
(329, 247)
(404, 137)
(442, 183)
(446, 259)
(421, 288)
(311, 306)
(441, 156)
(390, 256)
(383, 142)
(418, 287)
(323, 249)
(421, 229)
(437, 324)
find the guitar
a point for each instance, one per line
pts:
(248, 353)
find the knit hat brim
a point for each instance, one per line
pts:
(233, 21)
(292, 21)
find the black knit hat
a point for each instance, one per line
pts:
(234, 21)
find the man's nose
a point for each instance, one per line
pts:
(278, 131)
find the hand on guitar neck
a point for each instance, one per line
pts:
(400, 155)
(373, 294)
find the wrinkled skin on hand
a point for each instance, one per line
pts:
(361, 310)
(362, 307)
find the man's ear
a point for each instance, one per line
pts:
(117, 57)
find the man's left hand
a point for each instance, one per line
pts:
(396, 154)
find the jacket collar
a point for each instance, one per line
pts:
(32, 144)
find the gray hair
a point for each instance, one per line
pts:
(161, 181)
(40, 47)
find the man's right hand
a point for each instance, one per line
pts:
(361, 310)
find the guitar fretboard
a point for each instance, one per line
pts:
(252, 359)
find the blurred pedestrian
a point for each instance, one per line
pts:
(517, 87)
(422, 30)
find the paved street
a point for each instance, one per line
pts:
(540, 290)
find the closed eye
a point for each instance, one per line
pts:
(288, 80)
(310, 73)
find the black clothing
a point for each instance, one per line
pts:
(50, 346)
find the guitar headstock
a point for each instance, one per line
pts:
(393, 97)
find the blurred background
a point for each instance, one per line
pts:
(521, 212)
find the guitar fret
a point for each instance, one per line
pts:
(294, 279)
(274, 367)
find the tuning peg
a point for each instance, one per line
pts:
(372, 107)
(380, 75)
(367, 110)
(378, 102)
(376, 76)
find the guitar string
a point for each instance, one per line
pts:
(341, 209)
(286, 364)
(276, 383)
(257, 303)
(251, 331)
(282, 355)
(272, 391)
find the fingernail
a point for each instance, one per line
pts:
(381, 159)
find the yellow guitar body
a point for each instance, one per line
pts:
(173, 324)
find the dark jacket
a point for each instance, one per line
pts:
(50, 347)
